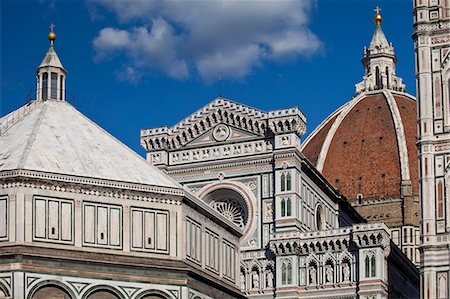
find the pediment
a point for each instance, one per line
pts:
(222, 133)
(243, 121)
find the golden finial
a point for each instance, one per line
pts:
(377, 18)
(51, 35)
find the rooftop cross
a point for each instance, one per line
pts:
(52, 35)
(377, 18)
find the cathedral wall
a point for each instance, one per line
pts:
(432, 49)
(356, 261)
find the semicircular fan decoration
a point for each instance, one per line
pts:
(230, 209)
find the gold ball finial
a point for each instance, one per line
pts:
(51, 35)
(377, 18)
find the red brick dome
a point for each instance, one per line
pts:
(367, 148)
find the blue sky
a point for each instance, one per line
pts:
(134, 65)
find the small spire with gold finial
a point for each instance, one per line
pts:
(51, 35)
(377, 18)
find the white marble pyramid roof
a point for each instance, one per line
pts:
(54, 137)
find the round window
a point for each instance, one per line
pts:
(230, 204)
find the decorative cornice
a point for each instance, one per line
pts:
(190, 168)
(224, 174)
(302, 243)
(220, 152)
(88, 190)
(445, 39)
(46, 176)
(431, 27)
(228, 112)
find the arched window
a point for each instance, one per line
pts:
(286, 273)
(54, 85)
(289, 273)
(288, 182)
(377, 78)
(387, 77)
(373, 266)
(367, 266)
(370, 265)
(45, 86)
(51, 292)
(283, 208)
(288, 207)
(61, 95)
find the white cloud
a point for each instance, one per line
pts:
(154, 49)
(206, 37)
(128, 74)
(229, 64)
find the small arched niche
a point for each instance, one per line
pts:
(102, 294)
(320, 221)
(51, 291)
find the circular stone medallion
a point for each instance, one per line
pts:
(221, 132)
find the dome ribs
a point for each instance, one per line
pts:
(365, 160)
(362, 157)
(408, 112)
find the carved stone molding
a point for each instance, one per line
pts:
(91, 191)
(223, 112)
(45, 176)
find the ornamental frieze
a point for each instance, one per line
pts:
(91, 191)
(219, 152)
(440, 39)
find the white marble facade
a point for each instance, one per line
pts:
(246, 164)
(432, 53)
